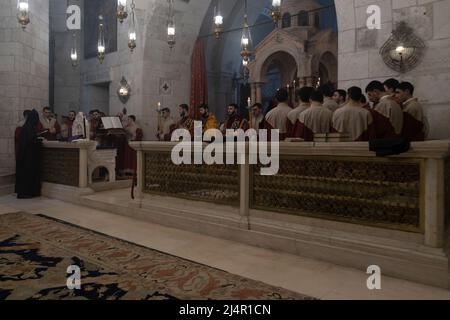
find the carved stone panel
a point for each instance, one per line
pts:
(61, 166)
(216, 183)
(370, 191)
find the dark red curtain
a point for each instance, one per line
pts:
(199, 85)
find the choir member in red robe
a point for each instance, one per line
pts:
(353, 119)
(387, 113)
(303, 95)
(234, 121)
(134, 133)
(257, 117)
(185, 122)
(315, 120)
(48, 125)
(277, 117)
(415, 127)
(66, 129)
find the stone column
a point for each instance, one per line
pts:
(253, 92)
(434, 203)
(139, 191)
(244, 207)
(259, 92)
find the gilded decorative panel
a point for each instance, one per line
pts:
(379, 192)
(215, 183)
(61, 166)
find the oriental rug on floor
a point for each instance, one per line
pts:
(36, 251)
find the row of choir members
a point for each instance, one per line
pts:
(395, 113)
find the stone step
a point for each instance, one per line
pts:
(6, 189)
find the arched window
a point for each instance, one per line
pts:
(303, 19)
(286, 23)
(317, 20)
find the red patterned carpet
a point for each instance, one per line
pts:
(35, 252)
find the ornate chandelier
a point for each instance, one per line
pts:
(122, 10)
(171, 26)
(246, 40)
(218, 22)
(132, 35)
(276, 11)
(101, 46)
(23, 15)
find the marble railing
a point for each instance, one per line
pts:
(334, 181)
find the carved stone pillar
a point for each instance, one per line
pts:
(259, 92)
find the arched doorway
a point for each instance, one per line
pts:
(278, 70)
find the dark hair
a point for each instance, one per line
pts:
(234, 105)
(317, 96)
(355, 93)
(326, 89)
(258, 105)
(305, 93)
(342, 93)
(46, 109)
(282, 95)
(184, 106)
(375, 85)
(132, 118)
(391, 83)
(406, 86)
(204, 106)
(72, 111)
(26, 113)
(165, 109)
(363, 99)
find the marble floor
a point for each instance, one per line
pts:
(315, 278)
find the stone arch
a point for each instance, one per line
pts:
(328, 67)
(285, 62)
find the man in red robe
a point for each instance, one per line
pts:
(304, 96)
(66, 129)
(234, 121)
(48, 125)
(415, 127)
(387, 113)
(277, 117)
(257, 117)
(315, 120)
(353, 119)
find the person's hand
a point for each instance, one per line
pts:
(52, 130)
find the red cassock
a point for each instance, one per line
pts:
(387, 118)
(413, 129)
(130, 155)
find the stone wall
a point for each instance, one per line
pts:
(24, 62)
(360, 61)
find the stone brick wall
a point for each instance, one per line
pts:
(24, 62)
(360, 61)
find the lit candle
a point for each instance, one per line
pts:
(249, 101)
(159, 106)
